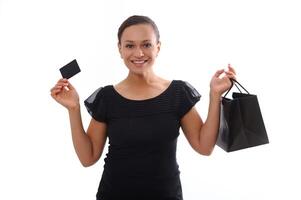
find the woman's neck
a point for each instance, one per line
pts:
(148, 78)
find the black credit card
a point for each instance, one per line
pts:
(70, 69)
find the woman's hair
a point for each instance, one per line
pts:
(137, 19)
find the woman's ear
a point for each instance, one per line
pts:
(158, 47)
(119, 49)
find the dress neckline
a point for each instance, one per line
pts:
(143, 100)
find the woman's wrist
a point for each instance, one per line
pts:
(214, 95)
(73, 108)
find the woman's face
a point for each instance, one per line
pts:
(139, 47)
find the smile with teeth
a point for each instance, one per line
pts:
(139, 61)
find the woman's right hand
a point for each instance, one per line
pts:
(65, 94)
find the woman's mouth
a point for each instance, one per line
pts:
(139, 62)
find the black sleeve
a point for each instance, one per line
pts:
(96, 105)
(189, 97)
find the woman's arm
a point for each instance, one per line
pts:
(202, 136)
(88, 146)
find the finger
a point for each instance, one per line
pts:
(62, 83)
(219, 72)
(226, 78)
(230, 75)
(231, 69)
(62, 80)
(70, 86)
(55, 92)
(56, 89)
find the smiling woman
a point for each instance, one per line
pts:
(139, 45)
(141, 116)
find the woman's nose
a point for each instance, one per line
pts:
(138, 52)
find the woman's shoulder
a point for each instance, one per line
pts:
(101, 91)
(182, 83)
(184, 86)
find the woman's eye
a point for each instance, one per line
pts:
(148, 45)
(129, 46)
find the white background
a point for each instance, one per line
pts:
(260, 38)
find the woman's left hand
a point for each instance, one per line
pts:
(220, 84)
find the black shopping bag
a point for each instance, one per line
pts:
(241, 122)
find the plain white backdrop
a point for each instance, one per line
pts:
(260, 38)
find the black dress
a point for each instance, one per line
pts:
(141, 160)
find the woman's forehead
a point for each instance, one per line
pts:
(140, 33)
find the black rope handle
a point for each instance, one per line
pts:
(235, 82)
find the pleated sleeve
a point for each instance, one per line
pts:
(96, 105)
(189, 97)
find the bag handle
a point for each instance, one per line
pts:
(235, 82)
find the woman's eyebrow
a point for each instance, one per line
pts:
(131, 41)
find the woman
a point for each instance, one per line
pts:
(141, 116)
